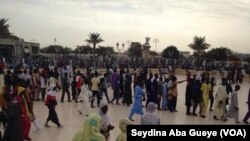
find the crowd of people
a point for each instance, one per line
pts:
(20, 88)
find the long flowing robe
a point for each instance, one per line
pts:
(128, 91)
(164, 95)
(137, 106)
(14, 130)
(91, 130)
(22, 100)
(220, 102)
(233, 104)
(84, 100)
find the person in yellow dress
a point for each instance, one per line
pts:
(91, 129)
(205, 89)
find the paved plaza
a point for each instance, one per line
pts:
(73, 121)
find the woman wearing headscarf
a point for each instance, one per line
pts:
(84, 99)
(105, 125)
(150, 118)
(123, 127)
(51, 104)
(91, 129)
(23, 101)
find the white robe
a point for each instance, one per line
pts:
(232, 112)
(84, 97)
(220, 109)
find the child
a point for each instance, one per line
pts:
(233, 107)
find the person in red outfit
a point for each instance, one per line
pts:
(26, 122)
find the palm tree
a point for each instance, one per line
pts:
(4, 30)
(199, 45)
(94, 38)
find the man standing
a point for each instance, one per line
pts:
(248, 113)
(205, 88)
(95, 81)
(65, 87)
(220, 101)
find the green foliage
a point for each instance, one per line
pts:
(101, 50)
(247, 59)
(4, 30)
(84, 50)
(57, 49)
(135, 49)
(171, 50)
(94, 38)
(153, 53)
(199, 44)
(234, 58)
(219, 54)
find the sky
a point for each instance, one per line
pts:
(172, 22)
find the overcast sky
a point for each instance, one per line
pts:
(172, 22)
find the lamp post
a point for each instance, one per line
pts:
(156, 41)
(170, 53)
(57, 50)
(228, 54)
(55, 41)
(120, 49)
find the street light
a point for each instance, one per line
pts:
(156, 41)
(228, 54)
(57, 50)
(120, 49)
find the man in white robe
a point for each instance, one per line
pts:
(83, 100)
(233, 111)
(220, 101)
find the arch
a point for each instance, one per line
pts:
(6, 51)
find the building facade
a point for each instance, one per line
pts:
(18, 48)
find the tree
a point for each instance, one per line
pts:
(152, 53)
(219, 54)
(247, 59)
(170, 52)
(84, 49)
(199, 44)
(135, 49)
(94, 38)
(57, 49)
(101, 50)
(66, 51)
(4, 30)
(234, 58)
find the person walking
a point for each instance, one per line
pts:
(83, 98)
(51, 104)
(233, 110)
(247, 116)
(137, 105)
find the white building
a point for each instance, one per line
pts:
(18, 48)
(186, 54)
